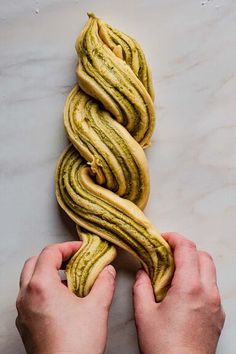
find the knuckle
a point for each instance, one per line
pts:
(137, 285)
(19, 302)
(36, 286)
(223, 316)
(215, 298)
(205, 254)
(189, 244)
(194, 289)
(48, 248)
(29, 260)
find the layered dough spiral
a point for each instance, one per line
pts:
(102, 179)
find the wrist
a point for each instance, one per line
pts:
(183, 350)
(56, 352)
(68, 352)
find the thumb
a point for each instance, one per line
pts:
(103, 289)
(143, 295)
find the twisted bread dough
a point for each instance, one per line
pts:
(102, 179)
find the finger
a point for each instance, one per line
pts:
(187, 273)
(51, 259)
(27, 271)
(143, 295)
(207, 270)
(209, 281)
(103, 289)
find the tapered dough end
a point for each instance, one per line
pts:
(82, 269)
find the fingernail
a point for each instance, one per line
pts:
(139, 273)
(111, 270)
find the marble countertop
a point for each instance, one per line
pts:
(191, 47)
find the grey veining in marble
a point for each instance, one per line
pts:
(191, 47)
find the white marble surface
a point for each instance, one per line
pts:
(191, 46)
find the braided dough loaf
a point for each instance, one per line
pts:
(102, 178)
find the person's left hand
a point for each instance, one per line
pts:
(51, 319)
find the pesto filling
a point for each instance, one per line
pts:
(109, 117)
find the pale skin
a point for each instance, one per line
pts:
(52, 320)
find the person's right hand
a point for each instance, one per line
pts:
(53, 320)
(190, 318)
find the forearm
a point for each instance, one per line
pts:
(182, 350)
(176, 350)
